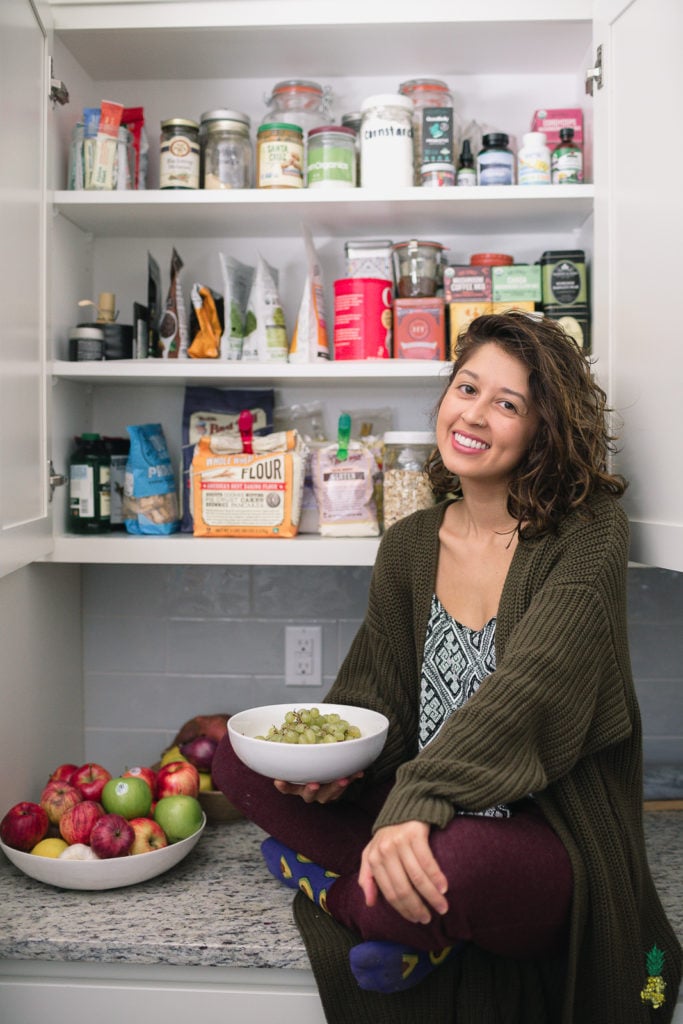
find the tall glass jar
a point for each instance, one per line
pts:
(386, 142)
(226, 149)
(300, 102)
(440, 144)
(406, 487)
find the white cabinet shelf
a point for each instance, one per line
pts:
(184, 549)
(255, 213)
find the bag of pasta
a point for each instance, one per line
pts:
(150, 497)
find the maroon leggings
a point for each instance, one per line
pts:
(509, 879)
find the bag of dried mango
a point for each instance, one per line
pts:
(242, 493)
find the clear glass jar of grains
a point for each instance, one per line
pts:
(226, 149)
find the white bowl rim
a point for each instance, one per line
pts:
(239, 717)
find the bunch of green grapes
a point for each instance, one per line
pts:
(307, 725)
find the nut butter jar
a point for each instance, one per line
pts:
(279, 156)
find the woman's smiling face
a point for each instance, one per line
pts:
(487, 418)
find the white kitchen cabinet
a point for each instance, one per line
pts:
(177, 59)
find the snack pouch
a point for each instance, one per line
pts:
(206, 339)
(238, 493)
(237, 281)
(150, 500)
(173, 327)
(344, 491)
(265, 334)
(310, 340)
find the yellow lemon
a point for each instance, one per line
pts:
(172, 754)
(49, 847)
(205, 782)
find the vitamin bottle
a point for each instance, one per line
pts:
(567, 160)
(89, 486)
(533, 160)
(495, 162)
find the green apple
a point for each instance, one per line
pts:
(129, 797)
(180, 816)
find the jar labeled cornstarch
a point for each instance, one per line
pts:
(331, 159)
(406, 486)
(279, 156)
(226, 149)
(179, 157)
(386, 142)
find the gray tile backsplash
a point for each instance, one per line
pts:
(162, 643)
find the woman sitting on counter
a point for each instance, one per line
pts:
(491, 864)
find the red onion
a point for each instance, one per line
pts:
(199, 752)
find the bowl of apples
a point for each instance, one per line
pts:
(122, 834)
(301, 745)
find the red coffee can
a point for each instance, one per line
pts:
(362, 318)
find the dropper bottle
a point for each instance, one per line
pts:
(466, 174)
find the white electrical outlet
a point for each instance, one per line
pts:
(303, 656)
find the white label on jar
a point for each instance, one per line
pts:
(568, 167)
(280, 164)
(496, 168)
(179, 163)
(82, 491)
(386, 153)
(534, 169)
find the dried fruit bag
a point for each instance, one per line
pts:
(150, 500)
(238, 493)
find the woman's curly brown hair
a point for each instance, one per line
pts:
(567, 460)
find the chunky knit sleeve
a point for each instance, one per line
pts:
(559, 692)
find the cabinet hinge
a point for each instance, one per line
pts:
(55, 480)
(594, 75)
(58, 90)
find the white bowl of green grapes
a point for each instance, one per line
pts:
(316, 743)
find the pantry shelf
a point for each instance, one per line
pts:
(212, 371)
(184, 549)
(334, 214)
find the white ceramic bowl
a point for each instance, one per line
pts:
(301, 763)
(102, 874)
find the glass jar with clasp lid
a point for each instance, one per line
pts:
(226, 149)
(438, 143)
(300, 102)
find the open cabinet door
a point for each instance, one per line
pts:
(25, 522)
(638, 302)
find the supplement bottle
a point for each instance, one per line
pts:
(567, 160)
(89, 486)
(386, 142)
(466, 174)
(405, 485)
(533, 160)
(495, 162)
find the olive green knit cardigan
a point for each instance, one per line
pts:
(558, 718)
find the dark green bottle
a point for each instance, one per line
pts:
(89, 491)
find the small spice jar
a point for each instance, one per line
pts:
(437, 175)
(279, 156)
(179, 157)
(386, 142)
(331, 161)
(406, 487)
(226, 149)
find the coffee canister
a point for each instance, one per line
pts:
(362, 318)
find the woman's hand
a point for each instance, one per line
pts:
(399, 863)
(316, 792)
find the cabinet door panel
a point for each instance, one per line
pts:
(24, 520)
(639, 227)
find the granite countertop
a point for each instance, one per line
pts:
(217, 908)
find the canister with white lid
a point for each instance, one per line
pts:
(406, 487)
(386, 141)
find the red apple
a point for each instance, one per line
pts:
(111, 836)
(90, 780)
(63, 773)
(148, 835)
(24, 825)
(177, 777)
(140, 772)
(58, 797)
(214, 726)
(76, 824)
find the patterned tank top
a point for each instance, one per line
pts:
(456, 661)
